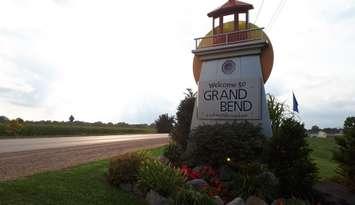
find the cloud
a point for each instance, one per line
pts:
(23, 82)
(100, 61)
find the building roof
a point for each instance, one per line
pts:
(231, 7)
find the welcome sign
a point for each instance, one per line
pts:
(232, 99)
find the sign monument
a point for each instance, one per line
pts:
(231, 65)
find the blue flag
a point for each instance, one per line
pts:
(295, 103)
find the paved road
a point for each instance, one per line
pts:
(24, 157)
(16, 145)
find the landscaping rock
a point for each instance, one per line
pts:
(153, 198)
(236, 201)
(126, 187)
(278, 202)
(253, 200)
(198, 184)
(217, 200)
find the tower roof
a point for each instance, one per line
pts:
(231, 7)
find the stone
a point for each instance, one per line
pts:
(126, 187)
(198, 184)
(217, 200)
(278, 202)
(253, 200)
(153, 198)
(236, 201)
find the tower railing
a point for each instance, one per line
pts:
(230, 38)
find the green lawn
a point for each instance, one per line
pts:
(84, 184)
(322, 154)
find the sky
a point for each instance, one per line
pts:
(114, 61)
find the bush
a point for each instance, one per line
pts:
(181, 130)
(345, 156)
(189, 196)
(289, 159)
(221, 144)
(124, 168)
(159, 177)
(254, 179)
(164, 123)
(173, 153)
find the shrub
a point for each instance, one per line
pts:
(254, 179)
(345, 156)
(159, 177)
(221, 144)
(181, 130)
(173, 153)
(124, 168)
(164, 123)
(289, 158)
(189, 196)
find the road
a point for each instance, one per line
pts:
(16, 145)
(24, 157)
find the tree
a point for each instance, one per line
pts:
(315, 129)
(4, 119)
(13, 127)
(20, 120)
(349, 124)
(181, 130)
(164, 123)
(288, 154)
(289, 158)
(71, 118)
(278, 111)
(345, 156)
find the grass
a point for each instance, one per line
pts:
(322, 154)
(84, 184)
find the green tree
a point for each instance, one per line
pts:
(289, 158)
(349, 125)
(345, 156)
(13, 127)
(164, 123)
(20, 120)
(181, 130)
(315, 129)
(4, 119)
(288, 154)
(71, 118)
(278, 112)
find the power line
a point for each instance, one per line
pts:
(273, 17)
(260, 8)
(276, 13)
